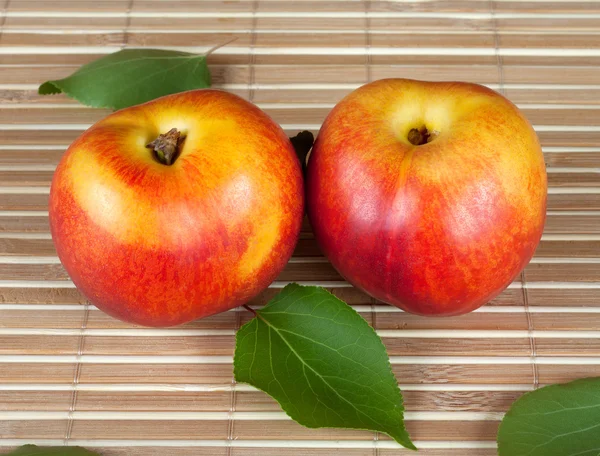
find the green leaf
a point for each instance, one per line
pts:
(557, 420)
(32, 450)
(322, 362)
(132, 76)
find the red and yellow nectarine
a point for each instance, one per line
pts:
(158, 244)
(428, 196)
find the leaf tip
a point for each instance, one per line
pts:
(410, 445)
(403, 438)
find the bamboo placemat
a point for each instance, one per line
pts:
(71, 375)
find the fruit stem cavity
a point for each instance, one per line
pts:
(167, 146)
(420, 136)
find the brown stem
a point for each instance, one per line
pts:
(420, 136)
(213, 49)
(416, 137)
(250, 309)
(167, 146)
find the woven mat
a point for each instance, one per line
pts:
(71, 375)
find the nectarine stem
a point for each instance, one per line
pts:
(218, 46)
(416, 137)
(420, 136)
(250, 309)
(166, 146)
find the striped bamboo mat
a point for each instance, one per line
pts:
(71, 375)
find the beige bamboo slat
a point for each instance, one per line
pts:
(486, 39)
(305, 114)
(385, 320)
(64, 5)
(335, 7)
(183, 373)
(567, 272)
(550, 296)
(496, 317)
(378, 24)
(95, 6)
(47, 67)
(223, 345)
(247, 401)
(280, 6)
(306, 56)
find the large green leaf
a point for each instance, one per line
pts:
(32, 450)
(132, 76)
(322, 362)
(557, 420)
